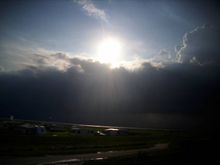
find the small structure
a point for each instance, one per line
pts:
(75, 130)
(31, 129)
(40, 130)
(112, 131)
(82, 131)
(115, 132)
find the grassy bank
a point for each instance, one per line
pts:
(67, 143)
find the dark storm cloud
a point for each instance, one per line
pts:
(200, 46)
(177, 95)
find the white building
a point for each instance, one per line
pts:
(112, 131)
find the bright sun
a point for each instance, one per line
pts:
(109, 51)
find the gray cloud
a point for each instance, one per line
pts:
(163, 58)
(57, 60)
(1, 69)
(200, 46)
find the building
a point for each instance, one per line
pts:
(115, 132)
(111, 131)
(31, 129)
(82, 131)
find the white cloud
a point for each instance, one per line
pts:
(18, 57)
(91, 10)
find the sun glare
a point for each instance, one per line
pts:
(109, 51)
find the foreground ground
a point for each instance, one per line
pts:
(181, 147)
(78, 158)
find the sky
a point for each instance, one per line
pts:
(141, 63)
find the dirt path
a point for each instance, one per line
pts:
(76, 159)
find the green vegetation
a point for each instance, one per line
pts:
(63, 143)
(183, 150)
